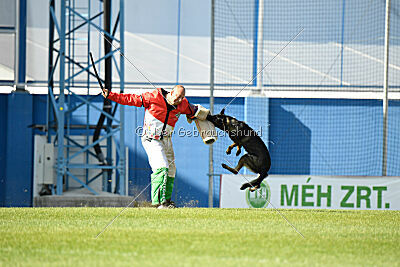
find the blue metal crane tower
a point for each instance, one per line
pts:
(75, 25)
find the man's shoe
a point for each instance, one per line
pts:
(171, 204)
(168, 204)
(162, 206)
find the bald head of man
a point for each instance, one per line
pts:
(176, 96)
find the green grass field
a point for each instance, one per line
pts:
(197, 237)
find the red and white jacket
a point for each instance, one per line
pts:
(160, 118)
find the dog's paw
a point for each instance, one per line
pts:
(254, 188)
(238, 152)
(244, 186)
(251, 189)
(228, 151)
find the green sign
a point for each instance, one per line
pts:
(311, 195)
(259, 198)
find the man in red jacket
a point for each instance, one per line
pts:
(162, 110)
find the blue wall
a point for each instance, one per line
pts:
(3, 141)
(305, 136)
(16, 150)
(326, 136)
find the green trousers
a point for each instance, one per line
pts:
(161, 186)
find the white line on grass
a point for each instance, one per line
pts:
(173, 52)
(283, 48)
(367, 56)
(300, 65)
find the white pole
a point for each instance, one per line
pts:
(385, 88)
(16, 41)
(260, 46)
(211, 151)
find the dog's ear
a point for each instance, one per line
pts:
(222, 111)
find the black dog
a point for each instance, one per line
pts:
(257, 158)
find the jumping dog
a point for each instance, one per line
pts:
(257, 158)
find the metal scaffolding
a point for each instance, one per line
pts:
(69, 54)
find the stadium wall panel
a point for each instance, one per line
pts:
(3, 141)
(18, 150)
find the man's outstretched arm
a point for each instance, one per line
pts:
(126, 99)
